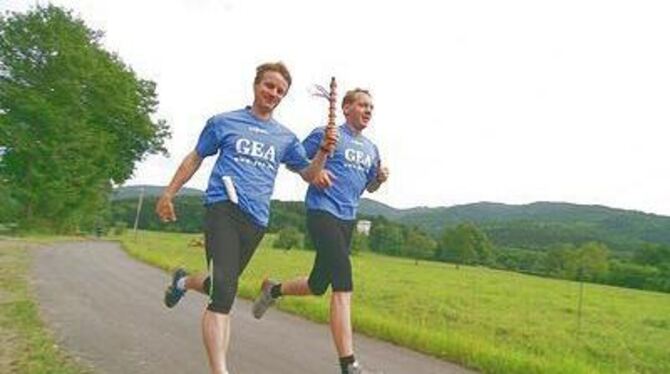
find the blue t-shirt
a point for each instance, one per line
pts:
(354, 165)
(250, 151)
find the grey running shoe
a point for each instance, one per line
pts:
(172, 293)
(264, 299)
(356, 368)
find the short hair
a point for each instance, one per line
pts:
(278, 67)
(350, 96)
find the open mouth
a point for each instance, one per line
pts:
(270, 100)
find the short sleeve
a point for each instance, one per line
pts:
(208, 142)
(295, 157)
(372, 172)
(312, 142)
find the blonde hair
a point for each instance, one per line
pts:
(278, 67)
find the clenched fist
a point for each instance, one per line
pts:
(330, 138)
(382, 174)
(165, 209)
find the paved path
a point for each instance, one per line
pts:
(106, 309)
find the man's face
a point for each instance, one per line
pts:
(270, 90)
(359, 112)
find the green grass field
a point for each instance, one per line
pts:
(494, 321)
(25, 345)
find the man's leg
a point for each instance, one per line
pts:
(340, 323)
(196, 283)
(182, 282)
(295, 287)
(316, 284)
(239, 238)
(332, 239)
(222, 236)
(216, 335)
(340, 301)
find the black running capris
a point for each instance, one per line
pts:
(332, 239)
(231, 238)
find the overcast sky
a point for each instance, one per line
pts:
(505, 101)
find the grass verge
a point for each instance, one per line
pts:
(26, 346)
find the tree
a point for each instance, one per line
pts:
(289, 237)
(455, 247)
(9, 207)
(588, 262)
(386, 238)
(562, 261)
(74, 118)
(418, 245)
(466, 244)
(652, 254)
(593, 263)
(632, 275)
(359, 242)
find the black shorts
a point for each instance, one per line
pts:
(332, 238)
(231, 238)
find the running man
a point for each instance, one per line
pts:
(250, 146)
(331, 202)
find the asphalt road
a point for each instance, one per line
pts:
(106, 309)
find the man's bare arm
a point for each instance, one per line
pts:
(188, 167)
(327, 147)
(315, 167)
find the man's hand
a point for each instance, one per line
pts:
(165, 209)
(327, 147)
(188, 167)
(382, 174)
(381, 177)
(330, 137)
(323, 180)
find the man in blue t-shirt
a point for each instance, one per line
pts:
(251, 145)
(331, 201)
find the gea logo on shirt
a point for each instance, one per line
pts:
(255, 149)
(358, 157)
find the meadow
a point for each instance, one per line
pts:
(490, 320)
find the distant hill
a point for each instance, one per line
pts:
(538, 225)
(133, 192)
(371, 207)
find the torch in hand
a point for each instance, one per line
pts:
(330, 137)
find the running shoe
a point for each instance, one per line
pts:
(173, 294)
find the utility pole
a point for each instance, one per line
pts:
(139, 209)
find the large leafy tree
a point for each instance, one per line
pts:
(73, 116)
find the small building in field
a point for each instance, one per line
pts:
(363, 227)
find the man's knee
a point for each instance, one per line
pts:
(317, 288)
(341, 297)
(343, 285)
(222, 295)
(342, 277)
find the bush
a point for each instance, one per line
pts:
(119, 228)
(289, 237)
